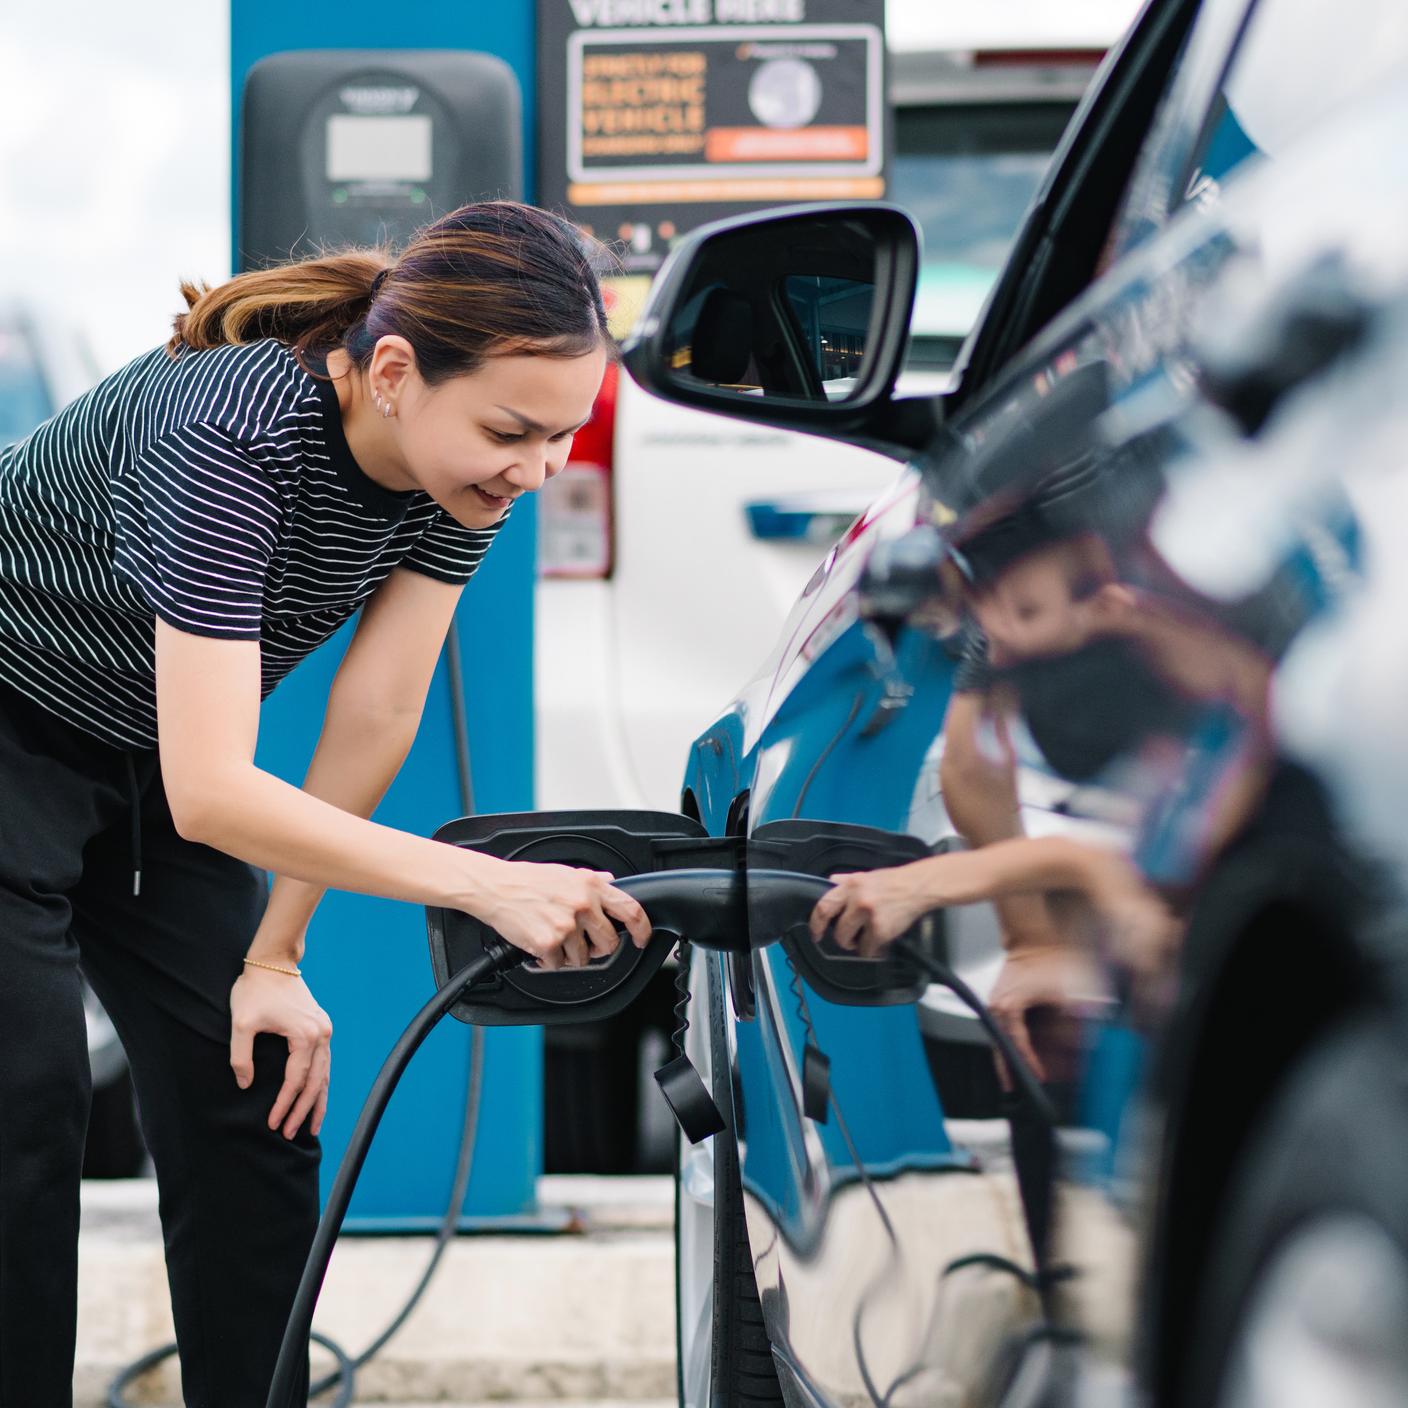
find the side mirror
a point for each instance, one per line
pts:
(797, 318)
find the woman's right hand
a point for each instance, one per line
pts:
(559, 914)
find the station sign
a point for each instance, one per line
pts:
(657, 116)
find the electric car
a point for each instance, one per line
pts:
(1163, 494)
(1152, 535)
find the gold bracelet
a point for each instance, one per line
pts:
(273, 968)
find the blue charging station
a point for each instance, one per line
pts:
(367, 959)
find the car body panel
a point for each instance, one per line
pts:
(901, 1252)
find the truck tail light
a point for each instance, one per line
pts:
(574, 507)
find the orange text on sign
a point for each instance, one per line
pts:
(786, 144)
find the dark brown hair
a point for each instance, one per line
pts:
(489, 279)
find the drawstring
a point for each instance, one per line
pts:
(135, 802)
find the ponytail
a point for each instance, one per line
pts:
(310, 304)
(489, 279)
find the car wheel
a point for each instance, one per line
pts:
(724, 1355)
(1305, 1302)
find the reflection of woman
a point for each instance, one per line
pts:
(344, 433)
(873, 908)
(1099, 670)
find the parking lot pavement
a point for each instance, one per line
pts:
(576, 1319)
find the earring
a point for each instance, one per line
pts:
(376, 401)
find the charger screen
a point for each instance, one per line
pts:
(379, 148)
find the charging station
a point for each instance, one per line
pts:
(340, 142)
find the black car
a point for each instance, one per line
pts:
(1135, 537)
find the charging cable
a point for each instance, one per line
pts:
(497, 957)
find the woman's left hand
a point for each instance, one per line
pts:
(263, 1001)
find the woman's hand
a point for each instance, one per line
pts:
(263, 1001)
(560, 915)
(869, 909)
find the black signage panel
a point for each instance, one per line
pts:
(660, 115)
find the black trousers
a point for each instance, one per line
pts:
(239, 1203)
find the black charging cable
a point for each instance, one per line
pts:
(497, 957)
(444, 1235)
(344, 1374)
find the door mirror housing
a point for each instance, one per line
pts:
(796, 318)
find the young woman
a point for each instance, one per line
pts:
(343, 433)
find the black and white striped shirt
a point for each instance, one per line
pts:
(214, 489)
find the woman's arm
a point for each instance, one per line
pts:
(374, 709)
(980, 796)
(208, 708)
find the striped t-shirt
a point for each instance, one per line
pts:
(214, 489)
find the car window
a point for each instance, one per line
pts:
(967, 173)
(24, 395)
(1294, 66)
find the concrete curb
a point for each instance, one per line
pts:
(588, 1316)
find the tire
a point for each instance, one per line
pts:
(1305, 1297)
(735, 1366)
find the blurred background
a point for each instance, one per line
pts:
(114, 166)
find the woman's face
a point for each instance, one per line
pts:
(1030, 611)
(476, 442)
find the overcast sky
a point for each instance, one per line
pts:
(114, 162)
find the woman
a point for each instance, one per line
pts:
(347, 432)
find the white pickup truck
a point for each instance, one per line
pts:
(674, 544)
